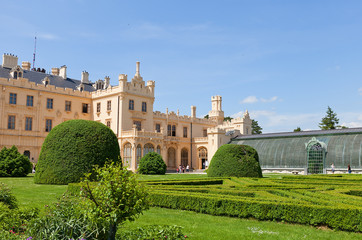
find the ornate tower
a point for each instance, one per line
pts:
(216, 113)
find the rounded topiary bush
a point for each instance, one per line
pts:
(152, 163)
(232, 160)
(13, 163)
(72, 148)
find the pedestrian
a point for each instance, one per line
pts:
(187, 168)
(177, 170)
(180, 169)
(332, 166)
(349, 169)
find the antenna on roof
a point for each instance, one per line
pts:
(34, 53)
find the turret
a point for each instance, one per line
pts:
(216, 112)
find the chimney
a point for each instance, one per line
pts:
(193, 111)
(85, 77)
(55, 71)
(9, 61)
(63, 71)
(137, 70)
(25, 65)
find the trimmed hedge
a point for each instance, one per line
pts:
(13, 163)
(232, 160)
(152, 163)
(334, 217)
(72, 148)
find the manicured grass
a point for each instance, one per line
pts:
(203, 226)
(34, 195)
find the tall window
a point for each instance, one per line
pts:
(12, 99)
(108, 123)
(109, 105)
(28, 123)
(138, 125)
(205, 132)
(171, 130)
(148, 148)
(173, 133)
(138, 154)
(49, 103)
(68, 106)
(29, 101)
(184, 157)
(158, 127)
(98, 107)
(185, 132)
(158, 150)
(15, 75)
(11, 122)
(131, 105)
(85, 108)
(144, 107)
(127, 154)
(48, 125)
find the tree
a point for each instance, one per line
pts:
(13, 163)
(256, 129)
(330, 121)
(227, 119)
(298, 129)
(206, 116)
(152, 163)
(115, 197)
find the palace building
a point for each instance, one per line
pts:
(32, 102)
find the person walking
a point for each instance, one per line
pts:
(187, 168)
(332, 166)
(349, 169)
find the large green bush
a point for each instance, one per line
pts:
(13, 164)
(72, 148)
(232, 160)
(152, 163)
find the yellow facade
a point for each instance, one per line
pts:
(32, 102)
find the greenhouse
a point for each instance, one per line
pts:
(308, 151)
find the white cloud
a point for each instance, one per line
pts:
(360, 91)
(47, 36)
(254, 99)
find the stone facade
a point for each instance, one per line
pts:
(32, 102)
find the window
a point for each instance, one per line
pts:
(49, 103)
(158, 150)
(28, 123)
(138, 125)
(85, 108)
(20, 74)
(109, 105)
(158, 127)
(98, 107)
(127, 154)
(15, 75)
(48, 125)
(148, 148)
(29, 101)
(185, 132)
(11, 122)
(108, 123)
(144, 107)
(171, 130)
(68, 106)
(138, 154)
(131, 105)
(12, 99)
(205, 132)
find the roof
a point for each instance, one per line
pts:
(302, 133)
(57, 81)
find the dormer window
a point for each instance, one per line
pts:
(81, 87)
(46, 81)
(99, 85)
(16, 72)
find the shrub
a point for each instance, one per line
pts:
(65, 220)
(13, 164)
(152, 232)
(152, 163)
(232, 160)
(7, 197)
(72, 148)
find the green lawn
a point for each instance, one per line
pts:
(196, 225)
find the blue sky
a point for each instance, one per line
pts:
(284, 61)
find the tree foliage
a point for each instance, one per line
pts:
(115, 197)
(232, 160)
(256, 129)
(152, 163)
(72, 148)
(330, 121)
(298, 129)
(228, 119)
(13, 163)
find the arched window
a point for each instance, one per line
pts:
(171, 157)
(184, 157)
(19, 74)
(148, 148)
(127, 155)
(203, 157)
(138, 154)
(158, 150)
(15, 75)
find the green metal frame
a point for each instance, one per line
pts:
(316, 156)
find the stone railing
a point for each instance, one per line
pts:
(200, 139)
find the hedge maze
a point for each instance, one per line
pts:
(328, 200)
